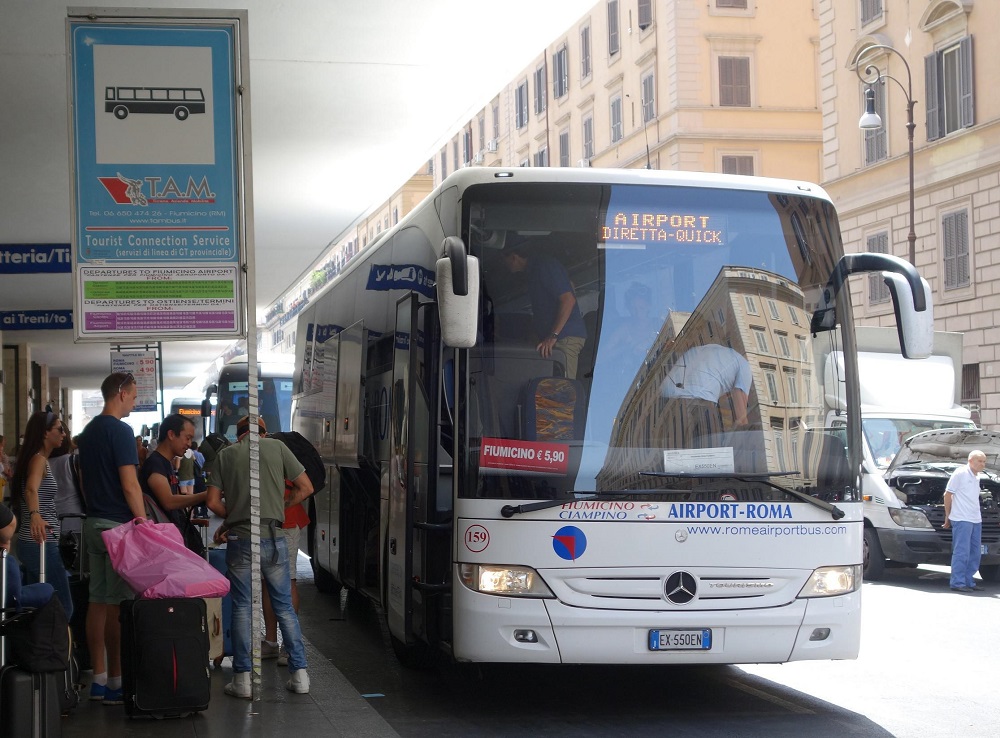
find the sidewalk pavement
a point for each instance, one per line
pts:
(332, 708)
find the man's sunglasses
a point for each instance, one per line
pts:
(129, 379)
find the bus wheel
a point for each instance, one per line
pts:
(412, 656)
(181, 113)
(874, 559)
(990, 572)
(325, 581)
(121, 112)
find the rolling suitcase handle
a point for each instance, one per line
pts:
(3, 603)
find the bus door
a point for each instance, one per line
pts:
(418, 530)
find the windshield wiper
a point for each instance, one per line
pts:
(742, 476)
(835, 512)
(509, 511)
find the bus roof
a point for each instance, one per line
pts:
(586, 175)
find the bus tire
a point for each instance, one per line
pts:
(121, 112)
(181, 113)
(874, 559)
(990, 572)
(415, 656)
(325, 581)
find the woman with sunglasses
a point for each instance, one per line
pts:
(35, 491)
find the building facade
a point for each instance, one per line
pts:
(698, 85)
(940, 57)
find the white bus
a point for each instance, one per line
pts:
(190, 407)
(502, 508)
(231, 392)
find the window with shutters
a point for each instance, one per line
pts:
(778, 431)
(771, 377)
(541, 158)
(970, 391)
(564, 148)
(614, 42)
(760, 335)
(585, 68)
(948, 76)
(878, 291)
(648, 97)
(876, 141)
(616, 119)
(737, 165)
(467, 146)
(496, 120)
(560, 73)
(588, 137)
(734, 81)
(792, 385)
(455, 161)
(540, 90)
(871, 10)
(955, 229)
(645, 14)
(521, 105)
(444, 165)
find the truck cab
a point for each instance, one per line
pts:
(899, 398)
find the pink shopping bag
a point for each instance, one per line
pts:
(153, 561)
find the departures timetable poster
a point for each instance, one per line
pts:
(158, 237)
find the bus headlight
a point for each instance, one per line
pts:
(908, 518)
(830, 581)
(509, 581)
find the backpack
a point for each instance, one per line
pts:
(306, 454)
(210, 448)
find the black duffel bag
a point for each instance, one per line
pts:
(39, 639)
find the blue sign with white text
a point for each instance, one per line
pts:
(154, 121)
(35, 258)
(35, 320)
(384, 277)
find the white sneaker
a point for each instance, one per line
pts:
(240, 686)
(283, 656)
(299, 683)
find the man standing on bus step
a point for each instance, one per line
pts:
(963, 514)
(230, 477)
(110, 483)
(554, 313)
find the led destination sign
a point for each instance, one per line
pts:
(632, 228)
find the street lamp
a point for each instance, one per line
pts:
(870, 120)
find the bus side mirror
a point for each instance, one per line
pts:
(206, 408)
(915, 328)
(911, 299)
(457, 276)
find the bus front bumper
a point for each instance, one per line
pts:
(508, 629)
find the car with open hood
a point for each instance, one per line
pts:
(919, 474)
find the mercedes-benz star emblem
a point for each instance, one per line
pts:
(680, 588)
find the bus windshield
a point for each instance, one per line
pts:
(683, 362)
(274, 398)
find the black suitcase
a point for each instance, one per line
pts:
(74, 556)
(29, 703)
(165, 657)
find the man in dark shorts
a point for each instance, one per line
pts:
(108, 460)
